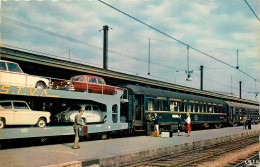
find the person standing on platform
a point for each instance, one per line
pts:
(249, 123)
(77, 125)
(179, 125)
(245, 122)
(148, 124)
(188, 121)
(156, 122)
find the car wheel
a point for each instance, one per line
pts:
(41, 123)
(2, 123)
(87, 91)
(40, 85)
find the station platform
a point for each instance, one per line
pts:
(113, 151)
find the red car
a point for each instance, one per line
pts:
(85, 83)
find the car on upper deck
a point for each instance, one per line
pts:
(12, 74)
(17, 112)
(86, 83)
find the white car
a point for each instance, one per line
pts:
(12, 74)
(17, 112)
(91, 114)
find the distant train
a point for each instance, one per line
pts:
(204, 111)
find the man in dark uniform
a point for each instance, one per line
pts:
(148, 124)
(179, 125)
(77, 125)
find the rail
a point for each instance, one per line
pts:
(195, 156)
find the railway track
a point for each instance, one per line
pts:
(251, 160)
(196, 156)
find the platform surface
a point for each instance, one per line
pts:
(36, 156)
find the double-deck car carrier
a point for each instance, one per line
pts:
(39, 98)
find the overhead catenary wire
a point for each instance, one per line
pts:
(179, 41)
(252, 10)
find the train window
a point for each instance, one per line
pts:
(159, 105)
(182, 106)
(221, 109)
(189, 107)
(114, 113)
(215, 109)
(165, 105)
(175, 106)
(196, 109)
(150, 104)
(199, 108)
(205, 108)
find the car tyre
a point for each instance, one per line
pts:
(2, 123)
(41, 123)
(88, 91)
(40, 85)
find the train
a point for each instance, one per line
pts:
(204, 111)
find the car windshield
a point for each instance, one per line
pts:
(14, 67)
(5, 105)
(20, 105)
(80, 79)
(2, 66)
(75, 107)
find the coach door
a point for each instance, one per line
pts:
(139, 108)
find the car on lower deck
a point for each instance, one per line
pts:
(92, 114)
(17, 112)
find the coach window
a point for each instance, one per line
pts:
(190, 107)
(150, 104)
(114, 113)
(175, 106)
(215, 108)
(196, 109)
(165, 105)
(221, 109)
(159, 105)
(199, 107)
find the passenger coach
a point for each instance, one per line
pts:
(204, 111)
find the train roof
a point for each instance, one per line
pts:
(171, 94)
(241, 105)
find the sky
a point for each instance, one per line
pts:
(72, 30)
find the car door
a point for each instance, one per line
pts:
(7, 112)
(93, 86)
(97, 114)
(89, 114)
(23, 115)
(16, 75)
(104, 89)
